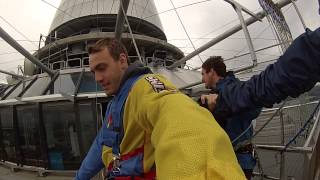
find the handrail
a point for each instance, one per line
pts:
(291, 106)
(315, 126)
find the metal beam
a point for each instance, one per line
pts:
(200, 82)
(299, 14)
(124, 4)
(225, 35)
(283, 148)
(238, 9)
(12, 74)
(5, 36)
(234, 3)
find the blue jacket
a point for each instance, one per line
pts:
(237, 124)
(296, 72)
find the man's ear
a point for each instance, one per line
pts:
(123, 59)
(213, 72)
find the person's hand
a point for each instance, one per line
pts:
(210, 100)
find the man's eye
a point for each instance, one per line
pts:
(101, 68)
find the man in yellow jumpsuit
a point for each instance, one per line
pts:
(151, 130)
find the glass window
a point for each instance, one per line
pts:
(37, 87)
(3, 88)
(18, 90)
(7, 90)
(62, 137)
(66, 83)
(88, 84)
(8, 133)
(29, 135)
(88, 124)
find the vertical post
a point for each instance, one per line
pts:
(43, 137)
(19, 154)
(124, 4)
(283, 158)
(237, 8)
(76, 110)
(2, 152)
(299, 14)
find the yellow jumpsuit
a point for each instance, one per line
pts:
(180, 137)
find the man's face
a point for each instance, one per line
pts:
(209, 78)
(108, 72)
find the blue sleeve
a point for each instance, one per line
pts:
(92, 163)
(296, 72)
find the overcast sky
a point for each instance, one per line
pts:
(25, 20)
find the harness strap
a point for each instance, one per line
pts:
(245, 149)
(117, 107)
(147, 176)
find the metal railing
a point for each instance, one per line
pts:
(294, 124)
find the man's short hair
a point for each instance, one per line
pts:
(114, 46)
(216, 63)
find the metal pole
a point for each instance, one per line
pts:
(120, 18)
(226, 34)
(283, 160)
(12, 74)
(200, 82)
(242, 8)
(299, 14)
(258, 50)
(5, 36)
(237, 8)
(301, 150)
(131, 33)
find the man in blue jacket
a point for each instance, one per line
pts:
(238, 127)
(296, 72)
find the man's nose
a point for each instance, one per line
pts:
(98, 77)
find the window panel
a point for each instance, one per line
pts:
(88, 124)
(88, 84)
(62, 137)
(66, 83)
(8, 133)
(18, 90)
(37, 87)
(7, 90)
(29, 135)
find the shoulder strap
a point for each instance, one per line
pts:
(116, 111)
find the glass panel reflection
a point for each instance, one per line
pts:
(62, 138)
(88, 84)
(29, 135)
(37, 87)
(18, 90)
(66, 83)
(8, 90)
(88, 124)
(8, 133)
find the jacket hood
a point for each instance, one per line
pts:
(135, 69)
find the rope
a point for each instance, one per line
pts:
(143, 12)
(32, 42)
(130, 30)
(270, 119)
(58, 8)
(308, 122)
(191, 4)
(184, 28)
(240, 144)
(244, 132)
(260, 33)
